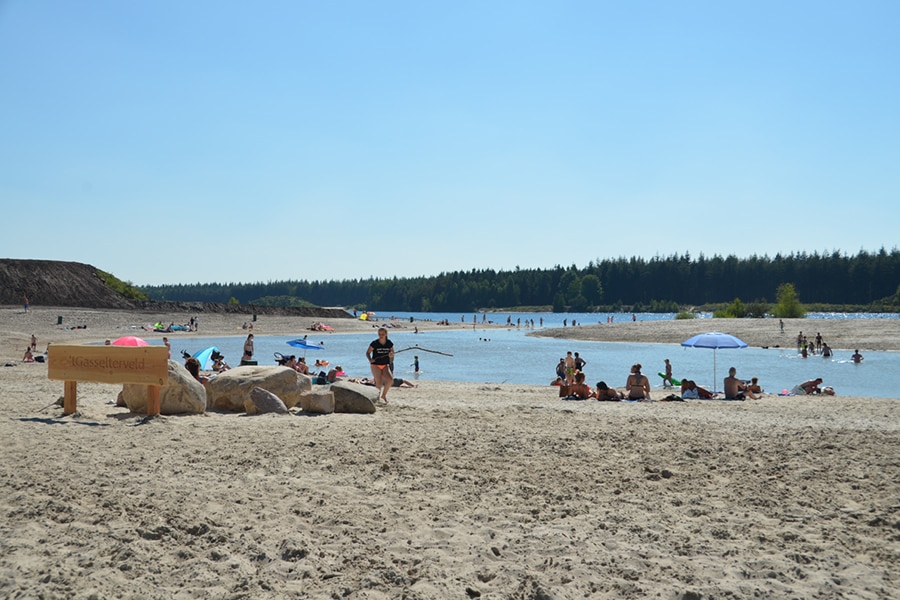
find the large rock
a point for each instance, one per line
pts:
(231, 390)
(263, 401)
(181, 394)
(354, 397)
(319, 401)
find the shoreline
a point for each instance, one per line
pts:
(840, 334)
(16, 328)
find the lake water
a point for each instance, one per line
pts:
(510, 356)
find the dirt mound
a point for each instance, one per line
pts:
(56, 283)
(60, 283)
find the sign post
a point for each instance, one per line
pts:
(147, 365)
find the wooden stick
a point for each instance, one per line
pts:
(423, 350)
(70, 397)
(152, 400)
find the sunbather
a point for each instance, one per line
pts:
(808, 387)
(580, 389)
(691, 390)
(637, 385)
(735, 389)
(606, 393)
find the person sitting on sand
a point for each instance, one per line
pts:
(334, 373)
(219, 364)
(690, 390)
(808, 387)
(29, 357)
(557, 382)
(401, 383)
(605, 393)
(637, 385)
(193, 367)
(735, 389)
(398, 382)
(298, 365)
(754, 386)
(580, 389)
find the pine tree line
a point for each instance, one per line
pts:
(656, 284)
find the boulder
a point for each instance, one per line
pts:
(319, 401)
(263, 401)
(181, 394)
(353, 397)
(231, 390)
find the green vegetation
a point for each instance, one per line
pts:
(866, 281)
(758, 309)
(685, 314)
(280, 301)
(788, 303)
(127, 289)
(735, 310)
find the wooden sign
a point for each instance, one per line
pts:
(147, 365)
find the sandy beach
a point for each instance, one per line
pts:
(454, 490)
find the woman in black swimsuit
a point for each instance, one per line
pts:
(638, 385)
(381, 354)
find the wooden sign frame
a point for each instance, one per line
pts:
(147, 365)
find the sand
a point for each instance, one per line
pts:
(454, 490)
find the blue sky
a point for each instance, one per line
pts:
(181, 142)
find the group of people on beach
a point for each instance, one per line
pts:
(571, 378)
(380, 355)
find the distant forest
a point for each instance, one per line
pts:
(866, 281)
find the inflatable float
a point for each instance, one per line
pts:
(675, 382)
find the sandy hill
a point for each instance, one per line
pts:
(61, 283)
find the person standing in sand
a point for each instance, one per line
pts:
(248, 348)
(381, 354)
(25, 302)
(570, 368)
(579, 362)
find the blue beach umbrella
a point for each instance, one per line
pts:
(301, 343)
(714, 340)
(204, 356)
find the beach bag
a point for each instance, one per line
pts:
(322, 378)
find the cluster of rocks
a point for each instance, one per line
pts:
(253, 390)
